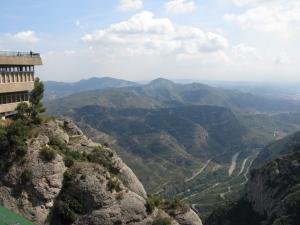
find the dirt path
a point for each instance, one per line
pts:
(162, 188)
(222, 195)
(199, 172)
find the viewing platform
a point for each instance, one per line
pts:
(20, 58)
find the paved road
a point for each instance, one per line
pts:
(243, 165)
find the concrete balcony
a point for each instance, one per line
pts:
(19, 58)
(16, 87)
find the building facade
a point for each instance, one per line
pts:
(17, 74)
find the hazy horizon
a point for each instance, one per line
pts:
(183, 81)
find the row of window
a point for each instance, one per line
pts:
(15, 78)
(17, 69)
(14, 97)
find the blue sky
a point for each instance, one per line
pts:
(253, 40)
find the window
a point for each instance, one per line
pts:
(14, 97)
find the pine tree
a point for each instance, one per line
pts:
(24, 112)
(35, 100)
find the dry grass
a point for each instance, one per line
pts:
(5, 123)
(45, 118)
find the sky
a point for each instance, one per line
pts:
(242, 40)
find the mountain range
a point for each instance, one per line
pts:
(56, 89)
(192, 141)
(165, 92)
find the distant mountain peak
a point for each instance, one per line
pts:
(161, 82)
(105, 78)
(60, 89)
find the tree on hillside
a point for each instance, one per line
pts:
(31, 112)
(24, 111)
(35, 100)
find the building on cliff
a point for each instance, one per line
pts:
(16, 79)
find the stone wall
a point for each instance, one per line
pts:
(16, 87)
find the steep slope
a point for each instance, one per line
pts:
(111, 98)
(272, 195)
(62, 177)
(279, 148)
(60, 89)
(165, 145)
(267, 128)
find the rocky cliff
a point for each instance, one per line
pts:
(272, 196)
(274, 190)
(65, 178)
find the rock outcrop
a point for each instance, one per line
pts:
(274, 190)
(66, 178)
(272, 196)
(188, 218)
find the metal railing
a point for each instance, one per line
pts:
(9, 53)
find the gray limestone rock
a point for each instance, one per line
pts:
(104, 197)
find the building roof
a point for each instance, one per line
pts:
(20, 58)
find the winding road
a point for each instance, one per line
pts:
(243, 165)
(199, 172)
(245, 174)
(247, 171)
(222, 195)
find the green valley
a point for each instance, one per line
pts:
(191, 141)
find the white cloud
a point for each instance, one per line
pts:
(1, 47)
(248, 54)
(70, 52)
(25, 37)
(145, 34)
(282, 58)
(241, 2)
(208, 59)
(283, 19)
(77, 23)
(248, 2)
(180, 6)
(126, 5)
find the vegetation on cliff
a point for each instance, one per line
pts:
(51, 173)
(272, 195)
